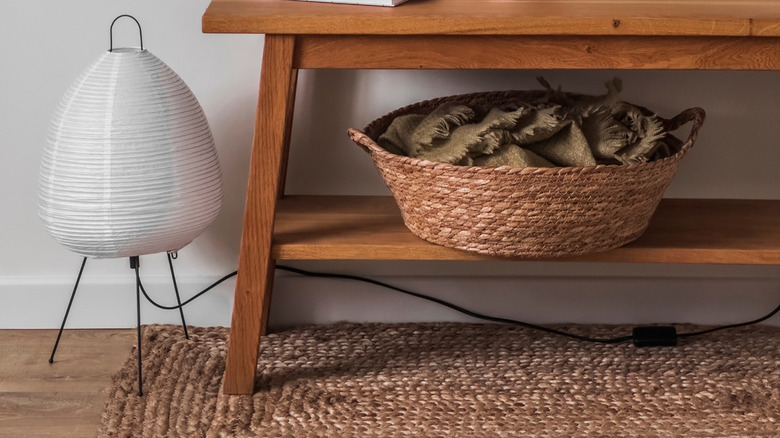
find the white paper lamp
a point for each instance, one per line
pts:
(129, 166)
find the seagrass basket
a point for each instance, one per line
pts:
(523, 212)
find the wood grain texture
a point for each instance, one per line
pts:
(682, 231)
(255, 267)
(766, 27)
(64, 399)
(532, 52)
(491, 17)
(288, 129)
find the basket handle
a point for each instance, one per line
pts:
(695, 115)
(361, 139)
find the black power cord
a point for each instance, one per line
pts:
(641, 336)
(455, 307)
(731, 326)
(155, 304)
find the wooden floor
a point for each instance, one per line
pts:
(64, 399)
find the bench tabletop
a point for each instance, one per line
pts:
(499, 17)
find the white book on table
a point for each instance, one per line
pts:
(362, 2)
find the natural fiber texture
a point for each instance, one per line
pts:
(528, 212)
(446, 379)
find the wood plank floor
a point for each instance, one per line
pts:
(64, 399)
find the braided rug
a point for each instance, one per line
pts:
(447, 379)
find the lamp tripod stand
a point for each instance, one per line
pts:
(134, 264)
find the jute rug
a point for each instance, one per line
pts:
(460, 380)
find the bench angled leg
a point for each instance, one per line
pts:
(256, 267)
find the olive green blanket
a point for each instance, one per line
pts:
(556, 130)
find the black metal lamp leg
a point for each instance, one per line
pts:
(134, 262)
(67, 311)
(178, 298)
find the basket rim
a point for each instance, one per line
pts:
(509, 170)
(359, 136)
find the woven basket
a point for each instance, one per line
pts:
(525, 212)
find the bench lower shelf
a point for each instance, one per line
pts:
(718, 231)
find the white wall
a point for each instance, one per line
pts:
(46, 44)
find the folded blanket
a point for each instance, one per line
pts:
(553, 131)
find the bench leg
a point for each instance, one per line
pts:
(255, 266)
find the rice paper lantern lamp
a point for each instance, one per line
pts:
(129, 165)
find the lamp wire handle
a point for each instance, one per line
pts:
(111, 32)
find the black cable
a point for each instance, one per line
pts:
(731, 326)
(456, 307)
(511, 321)
(154, 303)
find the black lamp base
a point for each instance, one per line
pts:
(134, 264)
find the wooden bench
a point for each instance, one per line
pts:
(473, 34)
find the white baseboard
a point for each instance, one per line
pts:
(541, 300)
(27, 303)
(35, 303)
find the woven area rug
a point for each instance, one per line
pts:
(446, 379)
